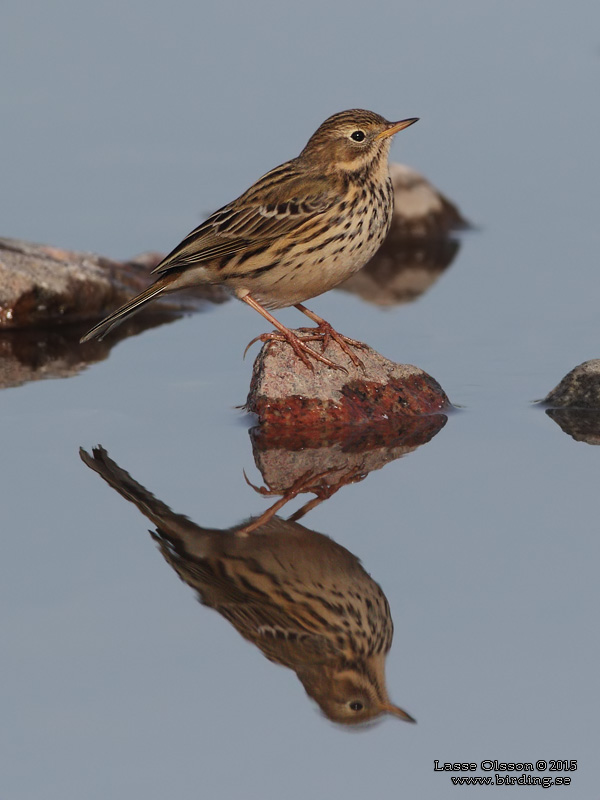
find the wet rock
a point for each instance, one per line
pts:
(286, 393)
(42, 285)
(580, 388)
(575, 403)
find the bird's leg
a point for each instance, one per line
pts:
(326, 332)
(325, 491)
(302, 350)
(302, 484)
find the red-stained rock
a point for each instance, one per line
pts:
(292, 459)
(287, 394)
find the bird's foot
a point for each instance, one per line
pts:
(325, 333)
(305, 483)
(302, 350)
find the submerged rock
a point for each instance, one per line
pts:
(286, 393)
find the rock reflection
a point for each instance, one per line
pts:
(582, 424)
(34, 354)
(304, 600)
(575, 402)
(296, 461)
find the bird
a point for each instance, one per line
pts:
(300, 230)
(305, 601)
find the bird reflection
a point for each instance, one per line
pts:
(303, 600)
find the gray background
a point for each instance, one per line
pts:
(123, 123)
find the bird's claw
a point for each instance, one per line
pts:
(301, 349)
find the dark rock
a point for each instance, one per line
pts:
(582, 424)
(286, 393)
(33, 354)
(42, 285)
(580, 388)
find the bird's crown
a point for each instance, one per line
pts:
(352, 137)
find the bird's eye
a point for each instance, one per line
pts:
(358, 136)
(356, 706)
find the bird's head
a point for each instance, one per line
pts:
(350, 694)
(351, 140)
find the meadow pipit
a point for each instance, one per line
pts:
(300, 230)
(304, 600)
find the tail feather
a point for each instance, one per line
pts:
(100, 330)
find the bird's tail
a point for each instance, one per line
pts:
(100, 330)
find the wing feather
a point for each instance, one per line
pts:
(279, 203)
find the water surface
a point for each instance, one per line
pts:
(123, 125)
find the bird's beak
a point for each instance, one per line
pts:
(394, 127)
(389, 708)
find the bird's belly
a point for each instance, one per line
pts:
(287, 277)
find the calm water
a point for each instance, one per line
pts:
(123, 124)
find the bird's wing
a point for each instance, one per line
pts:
(280, 202)
(294, 647)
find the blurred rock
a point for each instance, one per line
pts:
(402, 270)
(286, 393)
(420, 210)
(42, 285)
(580, 388)
(418, 248)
